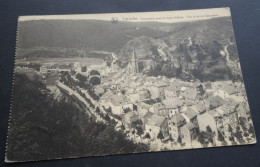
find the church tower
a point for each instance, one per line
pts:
(134, 63)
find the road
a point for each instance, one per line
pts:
(226, 51)
(89, 111)
(119, 123)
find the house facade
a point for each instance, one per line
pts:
(156, 124)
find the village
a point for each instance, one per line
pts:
(166, 113)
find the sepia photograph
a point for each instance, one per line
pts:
(120, 83)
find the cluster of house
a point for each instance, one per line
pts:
(174, 107)
(177, 108)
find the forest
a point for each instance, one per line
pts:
(42, 127)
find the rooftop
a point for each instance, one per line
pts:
(179, 120)
(159, 106)
(129, 115)
(173, 103)
(173, 87)
(190, 113)
(216, 101)
(107, 95)
(229, 89)
(189, 126)
(156, 120)
(147, 116)
(199, 107)
(144, 105)
(189, 93)
(120, 99)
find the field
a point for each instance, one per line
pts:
(82, 60)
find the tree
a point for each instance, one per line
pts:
(210, 135)
(137, 123)
(220, 136)
(108, 63)
(133, 132)
(241, 122)
(97, 110)
(73, 72)
(239, 135)
(251, 131)
(109, 109)
(232, 139)
(147, 135)
(66, 129)
(122, 127)
(209, 130)
(205, 137)
(179, 140)
(140, 131)
(94, 72)
(230, 129)
(123, 92)
(94, 80)
(126, 110)
(200, 89)
(81, 78)
(160, 135)
(170, 138)
(134, 107)
(107, 118)
(238, 128)
(112, 122)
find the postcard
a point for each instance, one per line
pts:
(119, 83)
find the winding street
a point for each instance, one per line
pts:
(72, 92)
(226, 51)
(90, 112)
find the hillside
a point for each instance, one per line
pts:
(198, 49)
(97, 35)
(87, 34)
(204, 32)
(43, 128)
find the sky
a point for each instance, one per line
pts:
(162, 16)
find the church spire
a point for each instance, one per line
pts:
(134, 63)
(133, 55)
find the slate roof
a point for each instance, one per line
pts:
(214, 113)
(107, 95)
(229, 89)
(160, 84)
(170, 104)
(145, 105)
(189, 93)
(173, 87)
(147, 116)
(173, 103)
(119, 100)
(190, 113)
(129, 115)
(159, 106)
(216, 101)
(230, 104)
(199, 107)
(179, 120)
(189, 126)
(208, 85)
(129, 91)
(188, 102)
(156, 120)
